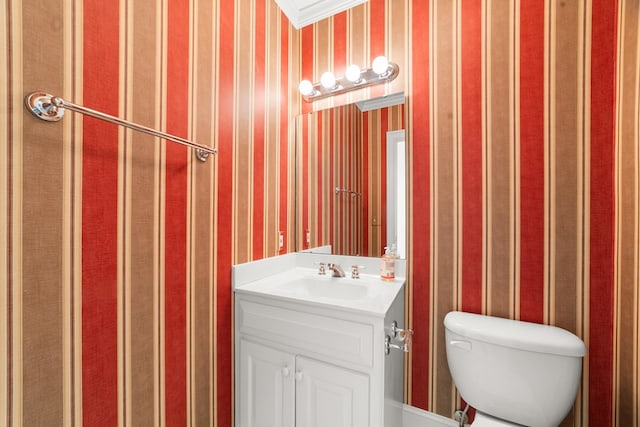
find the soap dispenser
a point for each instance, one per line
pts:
(388, 265)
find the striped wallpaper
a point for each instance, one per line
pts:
(115, 299)
(344, 147)
(523, 123)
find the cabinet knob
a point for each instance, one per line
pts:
(298, 376)
(285, 371)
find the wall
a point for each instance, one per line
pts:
(523, 121)
(115, 249)
(115, 253)
(346, 148)
(626, 284)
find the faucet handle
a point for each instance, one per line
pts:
(355, 271)
(321, 269)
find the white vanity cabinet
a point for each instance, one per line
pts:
(279, 389)
(265, 386)
(314, 365)
(327, 395)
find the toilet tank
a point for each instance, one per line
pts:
(521, 372)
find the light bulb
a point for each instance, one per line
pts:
(328, 80)
(306, 88)
(380, 65)
(353, 73)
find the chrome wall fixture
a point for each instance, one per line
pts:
(339, 190)
(51, 109)
(354, 78)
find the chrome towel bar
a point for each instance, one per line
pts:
(339, 190)
(51, 109)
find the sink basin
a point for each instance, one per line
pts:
(325, 287)
(367, 294)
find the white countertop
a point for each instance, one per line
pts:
(294, 277)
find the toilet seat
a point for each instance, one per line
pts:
(484, 420)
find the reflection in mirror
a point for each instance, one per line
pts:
(396, 191)
(350, 178)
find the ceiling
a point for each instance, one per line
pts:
(304, 12)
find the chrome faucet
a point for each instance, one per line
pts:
(337, 270)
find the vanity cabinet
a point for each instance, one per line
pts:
(327, 395)
(308, 365)
(266, 386)
(279, 389)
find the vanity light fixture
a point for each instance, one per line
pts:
(381, 71)
(380, 65)
(328, 81)
(353, 73)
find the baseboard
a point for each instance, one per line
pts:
(415, 417)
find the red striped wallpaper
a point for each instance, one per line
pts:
(532, 159)
(603, 114)
(514, 112)
(100, 218)
(115, 290)
(224, 214)
(472, 156)
(420, 182)
(148, 337)
(175, 194)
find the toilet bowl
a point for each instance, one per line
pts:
(513, 373)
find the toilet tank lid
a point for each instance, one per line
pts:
(515, 334)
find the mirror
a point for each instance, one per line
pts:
(351, 178)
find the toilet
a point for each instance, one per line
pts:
(513, 373)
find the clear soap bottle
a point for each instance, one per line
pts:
(388, 264)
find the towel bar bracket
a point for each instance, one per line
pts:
(51, 109)
(39, 103)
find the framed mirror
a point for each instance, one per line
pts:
(351, 178)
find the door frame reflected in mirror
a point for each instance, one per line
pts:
(397, 191)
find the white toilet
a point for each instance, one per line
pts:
(512, 372)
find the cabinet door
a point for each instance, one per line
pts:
(266, 382)
(329, 396)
